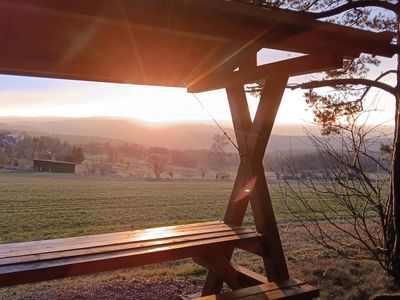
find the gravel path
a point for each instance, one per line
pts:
(170, 288)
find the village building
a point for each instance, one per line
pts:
(53, 166)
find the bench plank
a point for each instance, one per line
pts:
(19, 264)
(33, 248)
(288, 289)
(299, 292)
(141, 243)
(108, 236)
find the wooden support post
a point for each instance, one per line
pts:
(242, 125)
(214, 280)
(235, 276)
(260, 199)
(239, 197)
(250, 184)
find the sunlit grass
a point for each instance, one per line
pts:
(40, 206)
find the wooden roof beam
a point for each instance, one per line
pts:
(291, 67)
(243, 54)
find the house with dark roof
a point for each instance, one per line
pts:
(53, 166)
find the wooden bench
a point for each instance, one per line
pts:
(288, 289)
(49, 259)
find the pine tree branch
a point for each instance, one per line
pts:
(337, 10)
(345, 81)
(377, 80)
(351, 5)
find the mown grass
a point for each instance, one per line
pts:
(39, 206)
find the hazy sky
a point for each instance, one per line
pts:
(25, 96)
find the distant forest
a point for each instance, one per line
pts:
(273, 162)
(182, 158)
(17, 148)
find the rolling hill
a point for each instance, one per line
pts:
(119, 130)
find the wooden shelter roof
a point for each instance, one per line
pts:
(173, 43)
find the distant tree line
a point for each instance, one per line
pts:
(317, 164)
(17, 147)
(161, 159)
(14, 148)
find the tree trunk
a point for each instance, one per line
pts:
(395, 194)
(395, 178)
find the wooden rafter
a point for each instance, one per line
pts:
(292, 67)
(243, 53)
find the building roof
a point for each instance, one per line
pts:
(159, 42)
(56, 161)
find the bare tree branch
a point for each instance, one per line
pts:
(345, 81)
(347, 211)
(352, 5)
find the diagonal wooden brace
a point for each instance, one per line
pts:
(235, 276)
(250, 184)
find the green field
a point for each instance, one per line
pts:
(39, 205)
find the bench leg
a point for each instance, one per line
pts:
(213, 284)
(235, 276)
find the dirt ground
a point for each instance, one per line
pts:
(135, 289)
(337, 278)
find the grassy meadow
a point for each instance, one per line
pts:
(40, 206)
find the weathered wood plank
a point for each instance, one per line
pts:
(300, 292)
(111, 236)
(255, 277)
(214, 282)
(87, 264)
(292, 67)
(261, 128)
(250, 184)
(241, 119)
(260, 198)
(254, 290)
(248, 238)
(287, 289)
(235, 276)
(240, 197)
(26, 256)
(261, 249)
(239, 53)
(88, 243)
(218, 264)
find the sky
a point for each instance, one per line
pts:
(33, 97)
